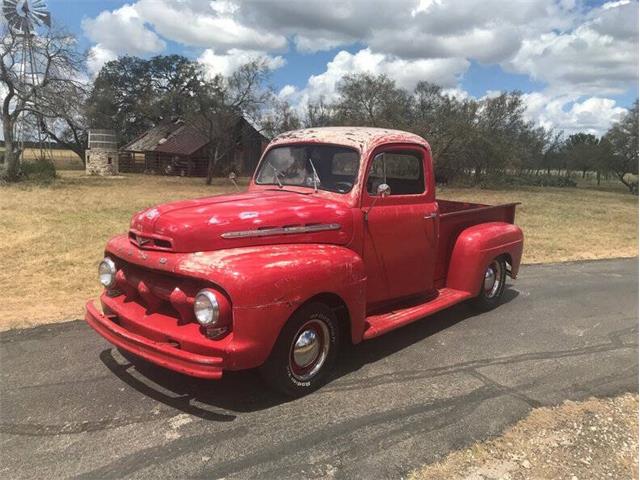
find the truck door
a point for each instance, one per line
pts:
(401, 230)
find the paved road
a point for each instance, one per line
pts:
(74, 407)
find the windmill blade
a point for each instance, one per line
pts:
(41, 18)
(12, 4)
(40, 13)
(9, 10)
(25, 16)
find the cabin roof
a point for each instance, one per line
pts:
(360, 138)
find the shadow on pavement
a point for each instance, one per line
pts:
(244, 391)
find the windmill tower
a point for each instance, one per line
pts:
(26, 18)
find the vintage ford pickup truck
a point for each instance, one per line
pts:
(339, 239)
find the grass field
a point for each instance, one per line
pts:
(52, 238)
(63, 159)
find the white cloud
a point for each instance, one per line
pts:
(227, 63)
(571, 114)
(456, 92)
(406, 73)
(98, 56)
(594, 58)
(576, 50)
(287, 92)
(122, 31)
(207, 24)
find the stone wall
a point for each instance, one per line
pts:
(101, 162)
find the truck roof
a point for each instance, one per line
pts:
(360, 138)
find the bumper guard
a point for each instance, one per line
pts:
(162, 354)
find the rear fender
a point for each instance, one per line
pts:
(474, 249)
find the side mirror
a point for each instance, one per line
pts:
(384, 190)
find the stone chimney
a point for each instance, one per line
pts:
(102, 155)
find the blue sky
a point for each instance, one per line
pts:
(576, 62)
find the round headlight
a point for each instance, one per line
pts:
(107, 273)
(206, 308)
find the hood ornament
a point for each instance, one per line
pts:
(141, 241)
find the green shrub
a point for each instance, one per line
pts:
(517, 181)
(38, 171)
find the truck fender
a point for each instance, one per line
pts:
(267, 284)
(474, 249)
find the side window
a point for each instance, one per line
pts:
(402, 171)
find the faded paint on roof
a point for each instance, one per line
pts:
(174, 138)
(177, 137)
(360, 138)
(149, 140)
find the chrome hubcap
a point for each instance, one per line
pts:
(492, 279)
(306, 348)
(309, 350)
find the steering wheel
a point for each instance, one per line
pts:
(343, 187)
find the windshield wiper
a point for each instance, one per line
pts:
(276, 175)
(315, 175)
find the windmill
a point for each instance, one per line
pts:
(26, 19)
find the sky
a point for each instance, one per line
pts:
(576, 62)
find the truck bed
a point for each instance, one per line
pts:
(455, 217)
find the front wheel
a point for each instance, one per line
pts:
(492, 288)
(305, 351)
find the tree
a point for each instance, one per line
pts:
(319, 114)
(448, 123)
(582, 153)
(63, 117)
(220, 102)
(280, 118)
(26, 98)
(622, 138)
(131, 94)
(372, 100)
(500, 127)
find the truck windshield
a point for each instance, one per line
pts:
(322, 167)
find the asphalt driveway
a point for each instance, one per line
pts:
(72, 406)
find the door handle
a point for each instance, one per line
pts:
(430, 216)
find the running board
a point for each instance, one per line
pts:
(376, 325)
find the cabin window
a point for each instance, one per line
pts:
(401, 170)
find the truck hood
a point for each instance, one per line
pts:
(240, 220)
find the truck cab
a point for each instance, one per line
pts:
(338, 239)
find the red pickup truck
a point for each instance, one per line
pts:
(339, 239)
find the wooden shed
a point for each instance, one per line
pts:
(180, 148)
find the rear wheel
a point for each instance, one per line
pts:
(305, 351)
(492, 287)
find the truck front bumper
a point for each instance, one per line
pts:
(160, 353)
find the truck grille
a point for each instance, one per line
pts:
(150, 242)
(158, 292)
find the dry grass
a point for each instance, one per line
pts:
(597, 438)
(63, 159)
(51, 238)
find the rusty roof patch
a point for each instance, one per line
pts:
(360, 138)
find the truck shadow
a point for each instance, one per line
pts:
(239, 392)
